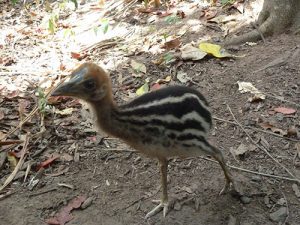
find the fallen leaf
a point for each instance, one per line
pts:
(78, 56)
(75, 55)
(47, 162)
(164, 14)
(138, 67)
(182, 77)
(162, 81)
(241, 150)
(189, 52)
(215, 50)
(209, 14)
(245, 87)
(12, 160)
(67, 111)
(143, 89)
(285, 111)
(267, 126)
(64, 214)
(155, 86)
(12, 94)
(172, 44)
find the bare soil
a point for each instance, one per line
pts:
(123, 183)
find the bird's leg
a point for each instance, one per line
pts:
(163, 203)
(228, 177)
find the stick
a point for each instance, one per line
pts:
(18, 166)
(282, 100)
(33, 111)
(261, 148)
(253, 172)
(257, 129)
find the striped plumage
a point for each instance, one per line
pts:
(172, 121)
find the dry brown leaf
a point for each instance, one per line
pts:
(47, 162)
(188, 51)
(64, 215)
(269, 126)
(241, 150)
(285, 111)
(172, 44)
(155, 86)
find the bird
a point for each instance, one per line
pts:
(172, 121)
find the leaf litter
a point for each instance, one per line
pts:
(61, 120)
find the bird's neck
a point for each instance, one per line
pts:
(106, 112)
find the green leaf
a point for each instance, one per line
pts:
(143, 89)
(172, 19)
(51, 26)
(14, 1)
(138, 67)
(104, 25)
(168, 58)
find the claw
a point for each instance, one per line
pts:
(228, 186)
(161, 206)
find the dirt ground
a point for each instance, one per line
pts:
(123, 183)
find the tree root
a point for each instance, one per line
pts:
(275, 17)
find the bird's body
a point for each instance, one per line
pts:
(169, 122)
(164, 123)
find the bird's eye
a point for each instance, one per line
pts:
(89, 84)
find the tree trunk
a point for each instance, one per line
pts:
(275, 17)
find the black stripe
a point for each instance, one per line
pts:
(172, 91)
(188, 124)
(187, 137)
(177, 109)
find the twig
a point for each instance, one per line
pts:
(257, 129)
(18, 166)
(112, 150)
(33, 111)
(43, 192)
(282, 100)
(253, 172)
(9, 193)
(261, 148)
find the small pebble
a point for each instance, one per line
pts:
(245, 200)
(279, 215)
(87, 203)
(256, 178)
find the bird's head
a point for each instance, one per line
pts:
(88, 82)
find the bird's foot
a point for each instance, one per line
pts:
(161, 206)
(229, 186)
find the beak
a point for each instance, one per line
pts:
(71, 87)
(68, 88)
